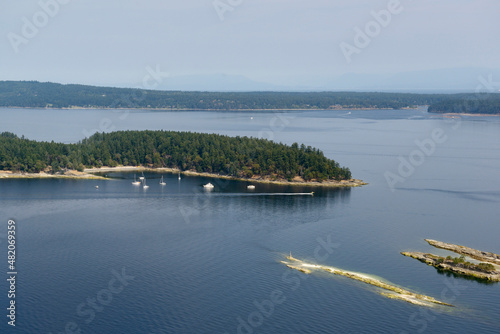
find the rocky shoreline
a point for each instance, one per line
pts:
(453, 266)
(467, 251)
(255, 179)
(70, 174)
(89, 173)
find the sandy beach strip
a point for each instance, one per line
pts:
(89, 173)
(71, 174)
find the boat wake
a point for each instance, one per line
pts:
(394, 292)
(262, 194)
(284, 194)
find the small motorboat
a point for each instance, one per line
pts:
(251, 187)
(208, 186)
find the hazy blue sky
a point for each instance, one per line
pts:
(277, 41)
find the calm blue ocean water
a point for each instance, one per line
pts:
(178, 259)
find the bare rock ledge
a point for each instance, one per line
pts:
(470, 252)
(448, 265)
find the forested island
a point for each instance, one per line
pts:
(33, 94)
(238, 157)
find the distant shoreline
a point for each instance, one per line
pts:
(90, 174)
(195, 109)
(463, 114)
(443, 114)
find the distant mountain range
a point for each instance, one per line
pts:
(429, 81)
(216, 83)
(453, 80)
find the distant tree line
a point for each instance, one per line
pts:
(212, 153)
(469, 104)
(51, 95)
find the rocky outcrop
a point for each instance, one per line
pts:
(454, 266)
(304, 270)
(395, 291)
(470, 252)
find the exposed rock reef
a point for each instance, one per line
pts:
(473, 253)
(395, 291)
(483, 271)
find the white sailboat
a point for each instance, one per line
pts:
(136, 183)
(141, 177)
(179, 176)
(208, 186)
(144, 186)
(162, 183)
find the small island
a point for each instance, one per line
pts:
(485, 270)
(212, 155)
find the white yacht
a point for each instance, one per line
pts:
(136, 183)
(208, 186)
(162, 183)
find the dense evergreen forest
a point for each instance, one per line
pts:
(476, 104)
(212, 153)
(34, 94)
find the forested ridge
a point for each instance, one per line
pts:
(212, 153)
(33, 94)
(468, 104)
